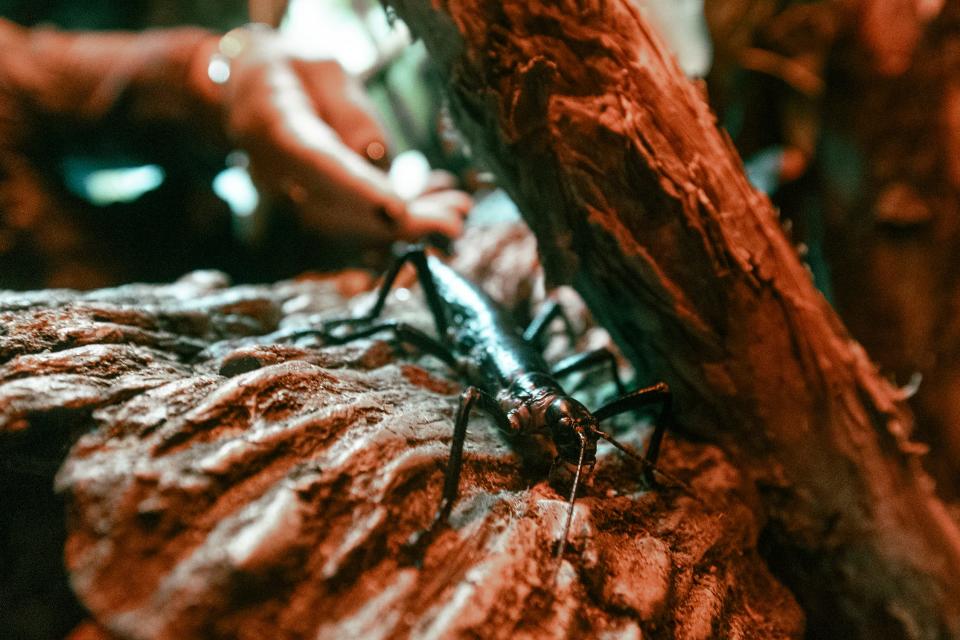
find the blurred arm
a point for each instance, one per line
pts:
(154, 76)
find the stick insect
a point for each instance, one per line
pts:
(508, 378)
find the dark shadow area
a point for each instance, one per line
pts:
(37, 602)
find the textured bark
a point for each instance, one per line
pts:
(882, 133)
(640, 202)
(234, 483)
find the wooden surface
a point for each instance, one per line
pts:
(229, 482)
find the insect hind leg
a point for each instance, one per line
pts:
(402, 332)
(416, 255)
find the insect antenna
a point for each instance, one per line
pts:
(566, 527)
(647, 465)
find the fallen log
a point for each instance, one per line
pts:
(233, 482)
(641, 203)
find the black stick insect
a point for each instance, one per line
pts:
(508, 377)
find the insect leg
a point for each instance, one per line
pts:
(451, 482)
(590, 359)
(655, 394)
(388, 279)
(404, 333)
(418, 257)
(550, 311)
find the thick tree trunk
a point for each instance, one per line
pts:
(641, 203)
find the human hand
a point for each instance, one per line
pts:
(312, 138)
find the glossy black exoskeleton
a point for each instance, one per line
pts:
(507, 375)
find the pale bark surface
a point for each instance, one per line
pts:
(640, 202)
(231, 482)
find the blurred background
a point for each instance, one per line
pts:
(163, 209)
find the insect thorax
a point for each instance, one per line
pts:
(526, 401)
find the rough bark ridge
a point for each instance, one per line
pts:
(236, 483)
(640, 202)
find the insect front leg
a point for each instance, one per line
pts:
(655, 394)
(470, 397)
(581, 361)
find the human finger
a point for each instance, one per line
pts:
(441, 212)
(342, 102)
